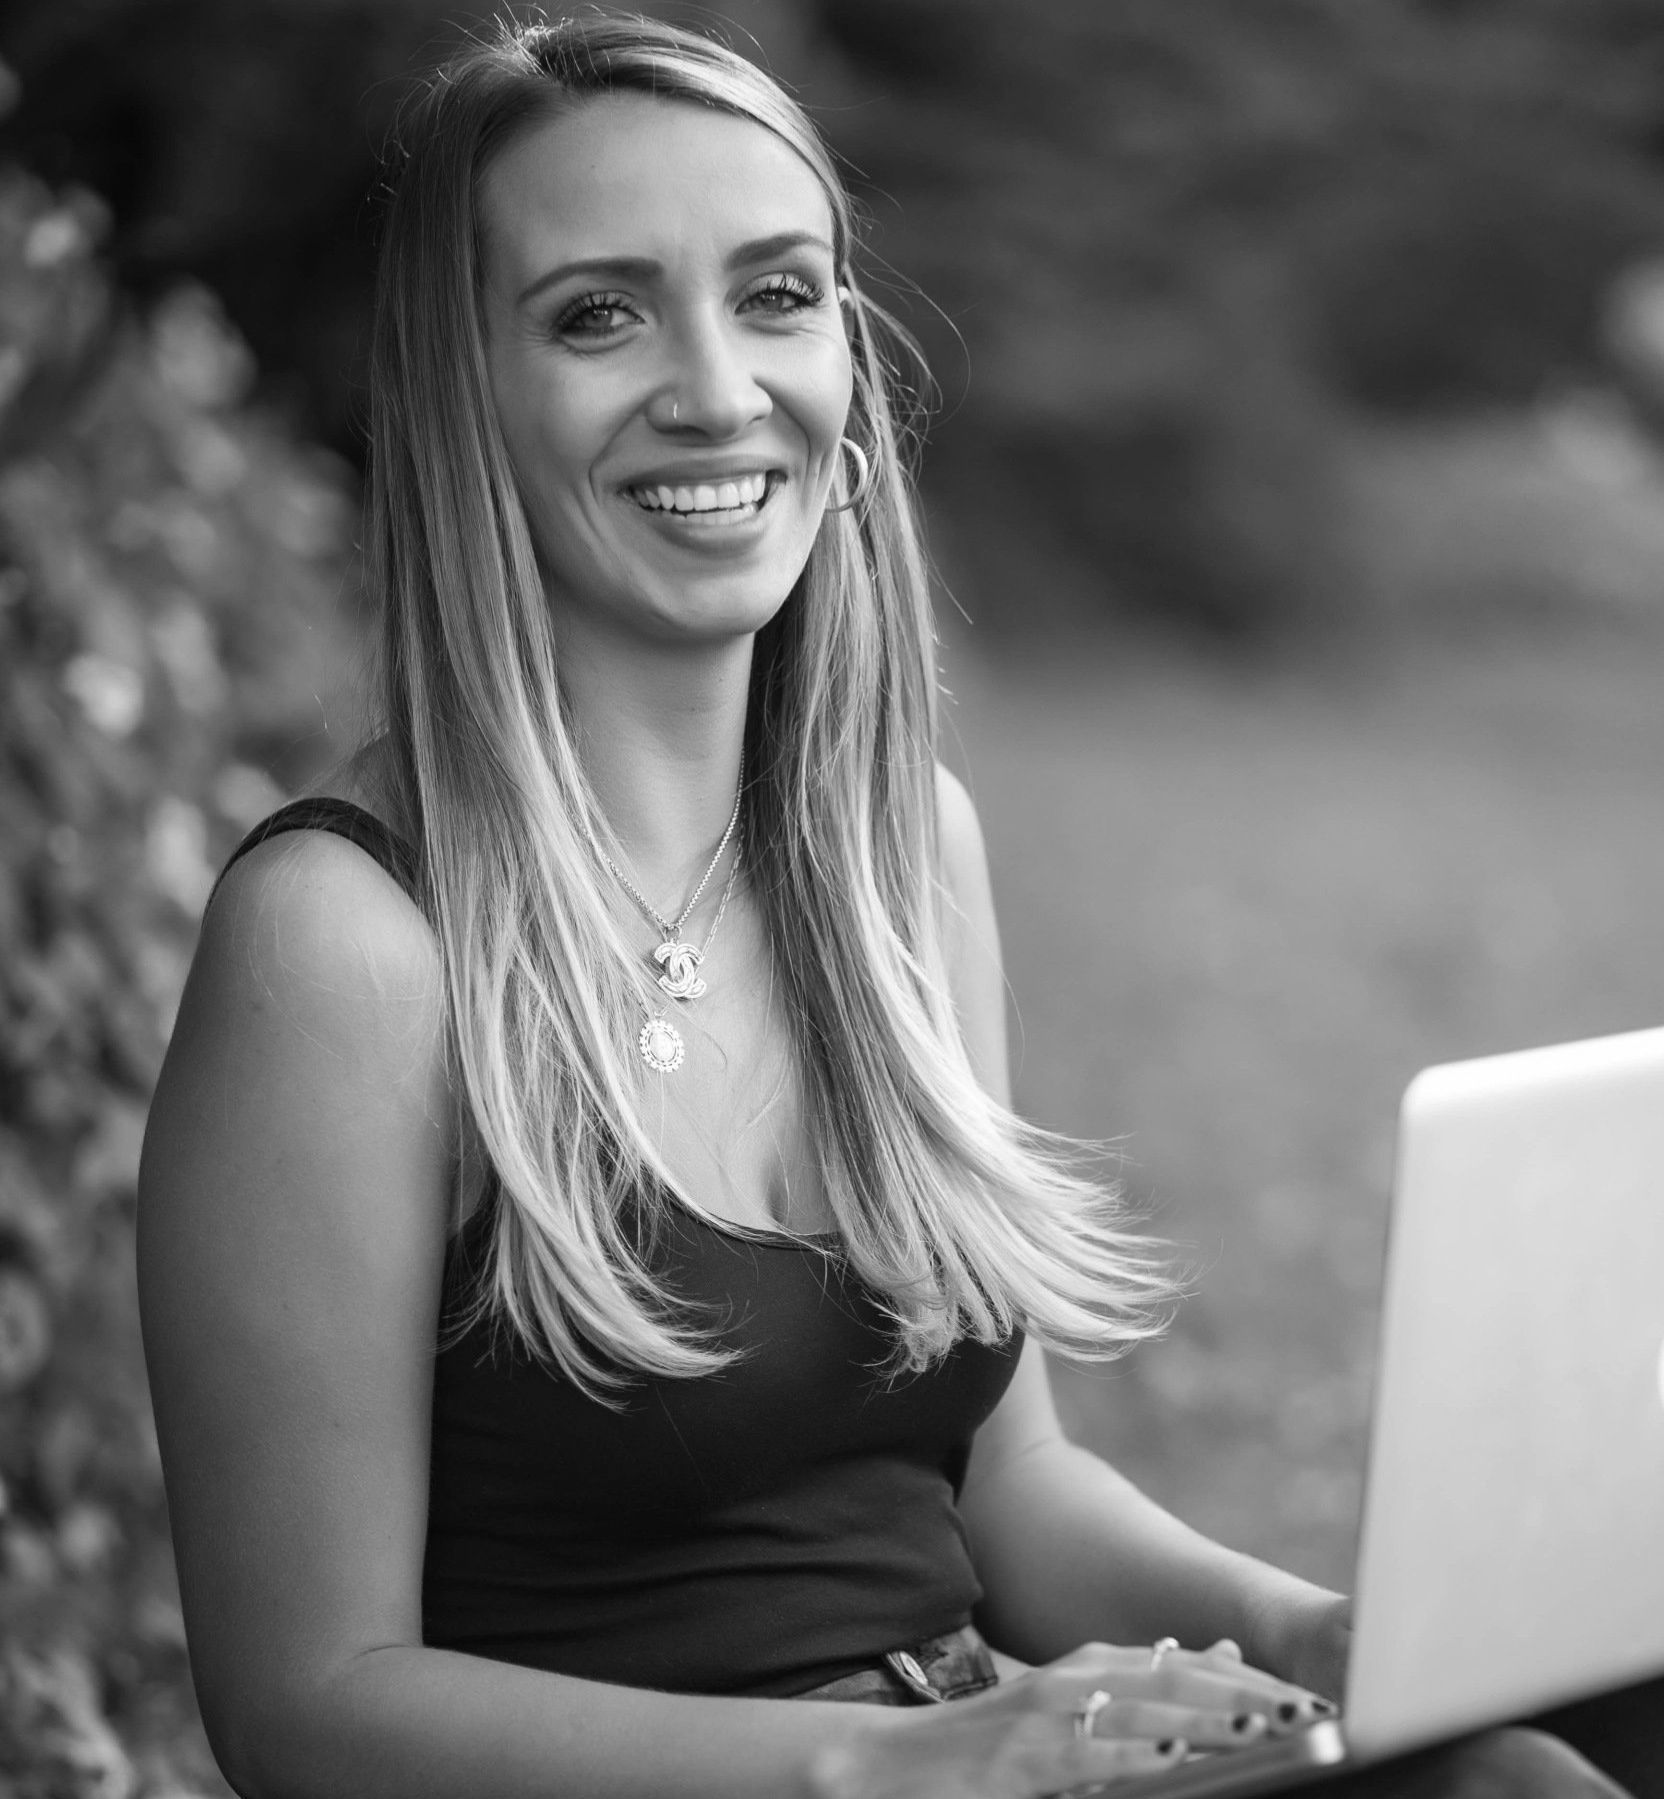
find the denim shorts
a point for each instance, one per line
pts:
(953, 1666)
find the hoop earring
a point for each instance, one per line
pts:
(863, 476)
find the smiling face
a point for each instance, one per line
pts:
(668, 361)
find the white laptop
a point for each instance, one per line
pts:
(1512, 1552)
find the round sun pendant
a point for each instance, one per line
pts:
(661, 1045)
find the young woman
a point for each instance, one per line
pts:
(594, 1288)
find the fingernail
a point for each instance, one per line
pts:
(1288, 1711)
(1244, 1722)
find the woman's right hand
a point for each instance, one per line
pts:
(1022, 1739)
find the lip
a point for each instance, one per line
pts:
(710, 527)
(709, 473)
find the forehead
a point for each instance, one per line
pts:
(630, 175)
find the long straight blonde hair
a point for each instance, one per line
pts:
(962, 1219)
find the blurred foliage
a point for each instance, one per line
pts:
(1178, 246)
(170, 572)
(1187, 245)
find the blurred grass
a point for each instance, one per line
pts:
(1239, 913)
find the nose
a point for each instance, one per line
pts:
(711, 389)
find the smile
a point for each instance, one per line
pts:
(721, 502)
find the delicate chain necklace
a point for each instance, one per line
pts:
(660, 1042)
(667, 929)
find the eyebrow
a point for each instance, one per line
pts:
(644, 268)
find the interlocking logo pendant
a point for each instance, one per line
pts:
(680, 962)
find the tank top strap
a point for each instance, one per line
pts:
(341, 817)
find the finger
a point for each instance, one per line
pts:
(1154, 1721)
(1184, 1677)
(1190, 1678)
(1099, 1762)
(1091, 1661)
(1283, 1707)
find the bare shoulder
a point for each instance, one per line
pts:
(964, 853)
(314, 1005)
(313, 916)
(293, 1201)
(975, 967)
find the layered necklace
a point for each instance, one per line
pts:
(678, 960)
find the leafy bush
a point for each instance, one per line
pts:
(172, 567)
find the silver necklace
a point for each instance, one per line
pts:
(659, 1041)
(678, 960)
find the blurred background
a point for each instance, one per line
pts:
(1299, 501)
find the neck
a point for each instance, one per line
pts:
(660, 730)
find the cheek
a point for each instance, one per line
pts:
(548, 441)
(545, 437)
(823, 388)
(548, 416)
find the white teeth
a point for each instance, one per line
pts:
(727, 496)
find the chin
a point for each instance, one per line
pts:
(736, 618)
(717, 610)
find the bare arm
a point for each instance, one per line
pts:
(293, 1211)
(1067, 1549)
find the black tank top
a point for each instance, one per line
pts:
(762, 1530)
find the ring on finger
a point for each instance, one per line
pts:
(1160, 1650)
(1086, 1713)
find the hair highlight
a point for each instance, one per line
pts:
(964, 1219)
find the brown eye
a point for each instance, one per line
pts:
(595, 316)
(783, 295)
